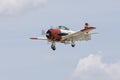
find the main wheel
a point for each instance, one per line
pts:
(73, 45)
(53, 47)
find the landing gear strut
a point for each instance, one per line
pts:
(53, 46)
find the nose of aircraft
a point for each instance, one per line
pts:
(48, 34)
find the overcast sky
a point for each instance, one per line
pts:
(23, 59)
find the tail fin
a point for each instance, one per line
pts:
(86, 26)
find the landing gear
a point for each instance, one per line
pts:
(53, 46)
(73, 44)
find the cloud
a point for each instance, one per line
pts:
(92, 68)
(10, 7)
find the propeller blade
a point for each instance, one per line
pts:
(43, 32)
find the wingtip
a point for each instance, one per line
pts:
(33, 38)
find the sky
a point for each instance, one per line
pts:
(24, 59)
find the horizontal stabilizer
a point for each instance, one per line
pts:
(88, 29)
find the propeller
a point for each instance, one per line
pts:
(43, 32)
(51, 27)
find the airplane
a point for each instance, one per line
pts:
(62, 34)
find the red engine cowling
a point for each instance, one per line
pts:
(52, 34)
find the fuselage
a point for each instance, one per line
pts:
(57, 34)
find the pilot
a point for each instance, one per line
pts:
(86, 25)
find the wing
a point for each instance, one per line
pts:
(39, 38)
(79, 35)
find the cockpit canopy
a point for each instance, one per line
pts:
(63, 27)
